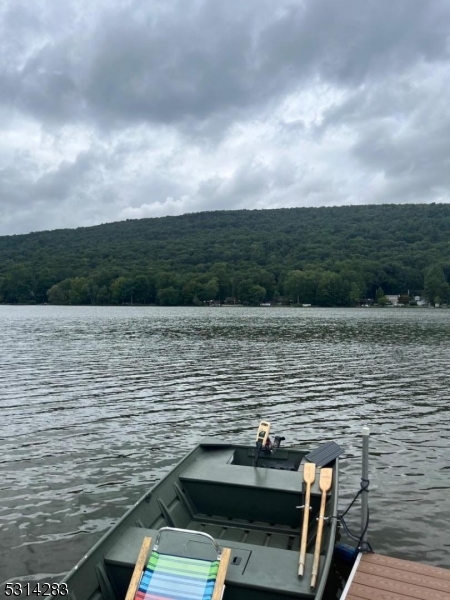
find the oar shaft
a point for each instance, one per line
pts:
(315, 567)
(301, 564)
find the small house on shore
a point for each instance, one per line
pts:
(393, 298)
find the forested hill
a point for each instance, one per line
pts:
(325, 256)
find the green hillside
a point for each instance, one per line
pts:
(325, 256)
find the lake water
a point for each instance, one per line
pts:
(97, 403)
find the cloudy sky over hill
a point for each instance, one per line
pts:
(121, 109)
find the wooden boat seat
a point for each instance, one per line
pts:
(177, 570)
(250, 566)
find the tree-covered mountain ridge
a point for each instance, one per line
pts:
(329, 256)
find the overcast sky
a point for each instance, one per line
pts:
(119, 109)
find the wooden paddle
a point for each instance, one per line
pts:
(309, 476)
(326, 477)
(219, 586)
(138, 569)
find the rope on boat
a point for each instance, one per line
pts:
(363, 546)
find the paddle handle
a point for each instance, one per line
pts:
(315, 567)
(301, 562)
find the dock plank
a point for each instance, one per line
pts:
(369, 593)
(382, 570)
(407, 565)
(399, 587)
(377, 577)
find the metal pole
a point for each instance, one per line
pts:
(364, 481)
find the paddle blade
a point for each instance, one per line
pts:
(309, 473)
(326, 479)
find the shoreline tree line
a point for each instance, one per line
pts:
(333, 256)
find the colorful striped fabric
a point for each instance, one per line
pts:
(168, 577)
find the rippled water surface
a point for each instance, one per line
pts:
(97, 403)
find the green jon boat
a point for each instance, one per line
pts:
(245, 498)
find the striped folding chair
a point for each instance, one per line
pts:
(171, 576)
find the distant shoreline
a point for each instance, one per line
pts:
(275, 306)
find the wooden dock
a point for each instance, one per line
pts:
(377, 577)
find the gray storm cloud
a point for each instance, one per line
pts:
(128, 109)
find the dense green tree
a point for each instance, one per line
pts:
(251, 293)
(193, 291)
(122, 290)
(142, 290)
(224, 275)
(211, 289)
(80, 291)
(301, 286)
(17, 286)
(60, 293)
(44, 281)
(165, 279)
(104, 295)
(354, 294)
(332, 290)
(379, 294)
(293, 285)
(332, 256)
(265, 279)
(169, 296)
(436, 285)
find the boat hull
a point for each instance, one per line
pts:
(252, 510)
